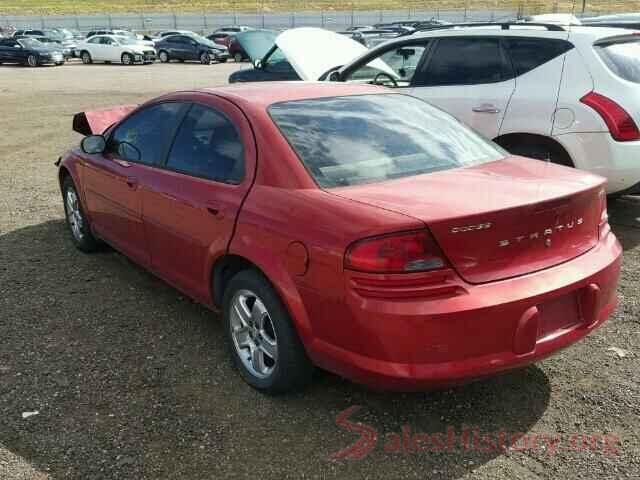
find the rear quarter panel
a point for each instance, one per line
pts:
(278, 227)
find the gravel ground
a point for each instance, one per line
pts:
(131, 379)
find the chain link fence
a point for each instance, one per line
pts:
(269, 14)
(207, 22)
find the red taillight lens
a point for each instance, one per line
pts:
(619, 122)
(396, 253)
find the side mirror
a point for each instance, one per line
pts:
(257, 64)
(128, 151)
(93, 144)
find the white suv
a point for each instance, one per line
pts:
(570, 95)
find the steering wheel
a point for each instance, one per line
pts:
(383, 74)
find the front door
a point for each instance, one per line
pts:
(394, 66)
(470, 78)
(190, 207)
(113, 180)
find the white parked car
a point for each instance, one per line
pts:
(569, 95)
(115, 49)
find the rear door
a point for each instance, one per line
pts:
(191, 205)
(470, 78)
(180, 47)
(538, 65)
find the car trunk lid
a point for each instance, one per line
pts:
(500, 219)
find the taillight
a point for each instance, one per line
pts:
(395, 253)
(619, 122)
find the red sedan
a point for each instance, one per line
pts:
(347, 227)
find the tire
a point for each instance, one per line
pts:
(286, 367)
(544, 151)
(205, 58)
(164, 57)
(77, 222)
(86, 57)
(237, 57)
(126, 59)
(32, 60)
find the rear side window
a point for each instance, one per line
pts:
(145, 136)
(622, 58)
(465, 61)
(208, 145)
(530, 53)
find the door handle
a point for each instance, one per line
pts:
(486, 108)
(132, 182)
(215, 210)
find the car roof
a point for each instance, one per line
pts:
(585, 34)
(519, 30)
(263, 94)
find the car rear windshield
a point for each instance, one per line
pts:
(360, 139)
(622, 58)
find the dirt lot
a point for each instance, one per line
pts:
(131, 379)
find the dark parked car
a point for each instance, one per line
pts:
(233, 29)
(190, 47)
(168, 33)
(67, 52)
(222, 38)
(270, 64)
(229, 40)
(29, 51)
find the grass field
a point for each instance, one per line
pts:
(52, 7)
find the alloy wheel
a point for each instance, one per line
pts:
(253, 334)
(32, 61)
(237, 57)
(74, 215)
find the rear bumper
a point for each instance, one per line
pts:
(439, 342)
(618, 162)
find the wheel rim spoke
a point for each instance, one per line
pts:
(269, 348)
(257, 359)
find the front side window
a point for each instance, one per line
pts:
(622, 58)
(95, 40)
(353, 140)
(464, 61)
(401, 66)
(530, 53)
(144, 137)
(208, 145)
